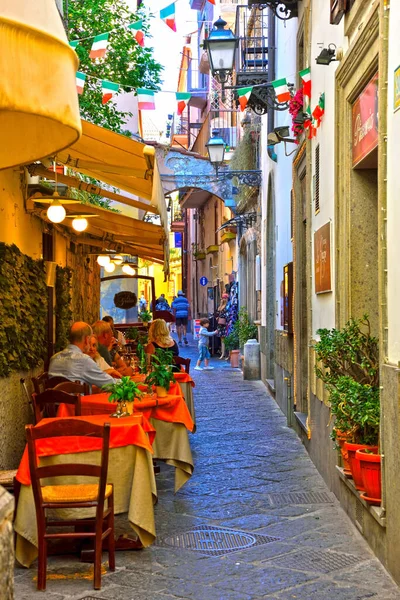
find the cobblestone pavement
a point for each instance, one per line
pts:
(253, 486)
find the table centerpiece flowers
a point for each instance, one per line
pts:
(122, 391)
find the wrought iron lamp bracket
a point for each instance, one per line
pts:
(282, 9)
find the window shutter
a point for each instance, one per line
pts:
(316, 183)
(338, 8)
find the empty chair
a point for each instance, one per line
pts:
(72, 496)
(46, 403)
(184, 362)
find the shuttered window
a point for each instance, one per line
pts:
(316, 180)
(338, 8)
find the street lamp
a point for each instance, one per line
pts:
(221, 48)
(216, 148)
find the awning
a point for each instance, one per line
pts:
(39, 111)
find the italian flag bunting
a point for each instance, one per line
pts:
(109, 89)
(80, 82)
(305, 77)
(74, 44)
(99, 46)
(212, 2)
(243, 96)
(167, 14)
(145, 99)
(319, 110)
(137, 30)
(182, 99)
(281, 90)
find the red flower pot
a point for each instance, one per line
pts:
(370, 465)
(234, 356)
(341, 438)
(355, 463)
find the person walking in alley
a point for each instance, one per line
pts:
(204, 353)
(181, 308)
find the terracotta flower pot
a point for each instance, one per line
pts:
(161, 391)
(341, 438)
(234, 357)
(370, 466)
(355, 463)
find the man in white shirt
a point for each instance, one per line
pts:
(73, 364)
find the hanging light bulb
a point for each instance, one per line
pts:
(110, 267)
(56, 212)
(103, 260)
(79, 224)
(127, 269)
(117, 259)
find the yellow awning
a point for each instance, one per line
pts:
(39, 112)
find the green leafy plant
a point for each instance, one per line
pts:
(161, 374)
(126, 61)
(123, 390)
(246, 329)
(23, 311)
(63, 310)
(348, 363)
(232, 339)
(145, 316)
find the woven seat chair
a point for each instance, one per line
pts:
(91, 495)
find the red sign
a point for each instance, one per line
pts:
(365, 121)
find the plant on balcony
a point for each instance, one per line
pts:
(295, 109)
(212, 249)
(198, 253)
(349, 360)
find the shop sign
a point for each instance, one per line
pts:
(322, 259)
(365, 121)
(396, 100)
(125, 300)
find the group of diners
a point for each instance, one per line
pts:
(91, 356)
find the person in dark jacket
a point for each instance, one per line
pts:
(181, 309)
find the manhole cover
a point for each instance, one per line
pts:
(215, 541)
(320, 561)
(300, 498)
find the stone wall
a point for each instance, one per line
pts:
(6, 545)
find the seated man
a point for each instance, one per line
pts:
(105, 338)
(73, 364)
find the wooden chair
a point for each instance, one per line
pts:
(185, 362)
(53, 381)
(40, 382)
(72, 387)
(46, 403)
(72, 496)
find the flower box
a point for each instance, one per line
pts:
(227, 236)
(212, 249)
(199, 255)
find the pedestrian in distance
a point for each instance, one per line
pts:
(204, 353)
(181, 309)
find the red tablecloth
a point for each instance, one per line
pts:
(124, 432)
(184, 378)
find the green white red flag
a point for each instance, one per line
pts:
(80, 82)
(74, 44)
(138, 33)
(281, 90)
(182, 99)
(145, 99)
(305, 77)
(109, 89)
(243, 96)
(99, 46)
(167, 14)
(319, 110)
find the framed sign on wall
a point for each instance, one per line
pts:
(322, 259)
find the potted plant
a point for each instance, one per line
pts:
(232, 345)
(370, 467)
(145, 316)
(246, 329)
(122, 391)
(161, 375)
(348, 363)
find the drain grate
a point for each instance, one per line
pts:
(321, 561)
(215, 541)
(300, 498)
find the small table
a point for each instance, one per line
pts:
(130, 471)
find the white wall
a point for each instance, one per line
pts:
(323, 81)
(393, 186)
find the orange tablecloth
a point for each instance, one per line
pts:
(124, 432)
(184, 378)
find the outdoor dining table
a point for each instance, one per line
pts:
(130, 470)
(187, 384)
(168, 416)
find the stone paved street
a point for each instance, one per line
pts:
(247, 462)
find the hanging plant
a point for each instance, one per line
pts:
(295, 108)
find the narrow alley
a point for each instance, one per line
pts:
(255, 521)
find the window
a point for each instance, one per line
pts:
(338, 8)
(316, 180)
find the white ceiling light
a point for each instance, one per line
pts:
(127, 269)
(103, 260)
(56, 212)
(110, 267)
(117, 259)
(79, 224)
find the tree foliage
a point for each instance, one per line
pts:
(126, 62)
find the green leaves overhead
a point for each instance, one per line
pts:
(23, 311)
